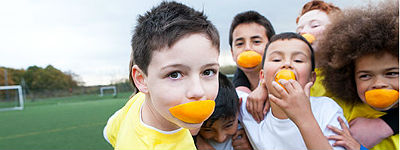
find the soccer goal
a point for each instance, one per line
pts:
(11, 98)
(108, 88)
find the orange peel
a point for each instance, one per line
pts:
(309, 37)
(381, 98)
(286, 75)
(193, 112)
(249, 59)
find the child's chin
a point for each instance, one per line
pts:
(189, 125)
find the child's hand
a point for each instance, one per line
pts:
(240, 141)
(257, 102)
(343, 137)
(294, 101)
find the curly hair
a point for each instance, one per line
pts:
(373, 29)
(318, 5)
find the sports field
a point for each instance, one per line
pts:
(69, 123)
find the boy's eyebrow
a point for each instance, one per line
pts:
(239, 39)
(255, 37)
(393, 68)
(209, 65)
(176, 66)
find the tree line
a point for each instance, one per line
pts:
(38, 79)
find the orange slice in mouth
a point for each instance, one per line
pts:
(249, 59)
(286, 75)
(381, 98)
(309, 37)
(193, 112)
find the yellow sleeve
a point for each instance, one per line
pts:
(114, 122)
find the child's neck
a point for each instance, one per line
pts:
(253, 78)
(151, 117)
(278, 112)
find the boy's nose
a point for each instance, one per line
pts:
(195, 90)
(220, 138)
(287, 65)
(379, 84)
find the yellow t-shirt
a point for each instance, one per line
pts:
(125, 130)
(352, 111)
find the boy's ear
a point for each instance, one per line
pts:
(261, 75)
(313, 77)
(139, 78)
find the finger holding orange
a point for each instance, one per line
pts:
(286, 75)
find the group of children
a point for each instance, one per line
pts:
(174, 62)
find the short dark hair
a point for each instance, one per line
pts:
(163, 26)
(251, 17)
(226, 103)
(288, 36)
(357, 32)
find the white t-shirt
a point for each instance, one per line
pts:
(283, 134)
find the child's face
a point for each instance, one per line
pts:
(248, 36)
(372, 72)
(185, 72)
(220, 130)
(313, 22)
(292, 54)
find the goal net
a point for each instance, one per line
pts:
(11, 98)
(108, 88)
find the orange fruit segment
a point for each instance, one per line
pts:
(193, 112)
(381, 98)
(309, 37)
(284, 74)
(249, 59)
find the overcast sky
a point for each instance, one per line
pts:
(91, 38)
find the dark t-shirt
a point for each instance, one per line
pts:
(240, 79)
(392, 119)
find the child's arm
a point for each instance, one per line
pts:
(201, 144)
(343, 137)
(295, 102)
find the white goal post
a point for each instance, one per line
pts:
(108, 88)
(20, 97)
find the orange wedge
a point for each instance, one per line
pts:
(309, 37)
(381, 98)
(284, 74)
(249, 59)
(193, 112)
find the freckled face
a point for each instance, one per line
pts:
(313, 22)
(372, 72)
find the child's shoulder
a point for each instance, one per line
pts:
(325, 104)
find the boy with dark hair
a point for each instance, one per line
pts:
(364, 58)
(249, 31)
(222, 129)
(174, 65)
(295, 120)
(248, 35)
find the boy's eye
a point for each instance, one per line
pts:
(257, 41)
(298, 61)
(229, 125)
(239, 44)
(392, 74)
(276, 60)
(364, 77)
(209, 72)
(175, 75)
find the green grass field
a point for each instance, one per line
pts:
(69, 123)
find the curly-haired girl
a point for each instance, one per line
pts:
(361, 54)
